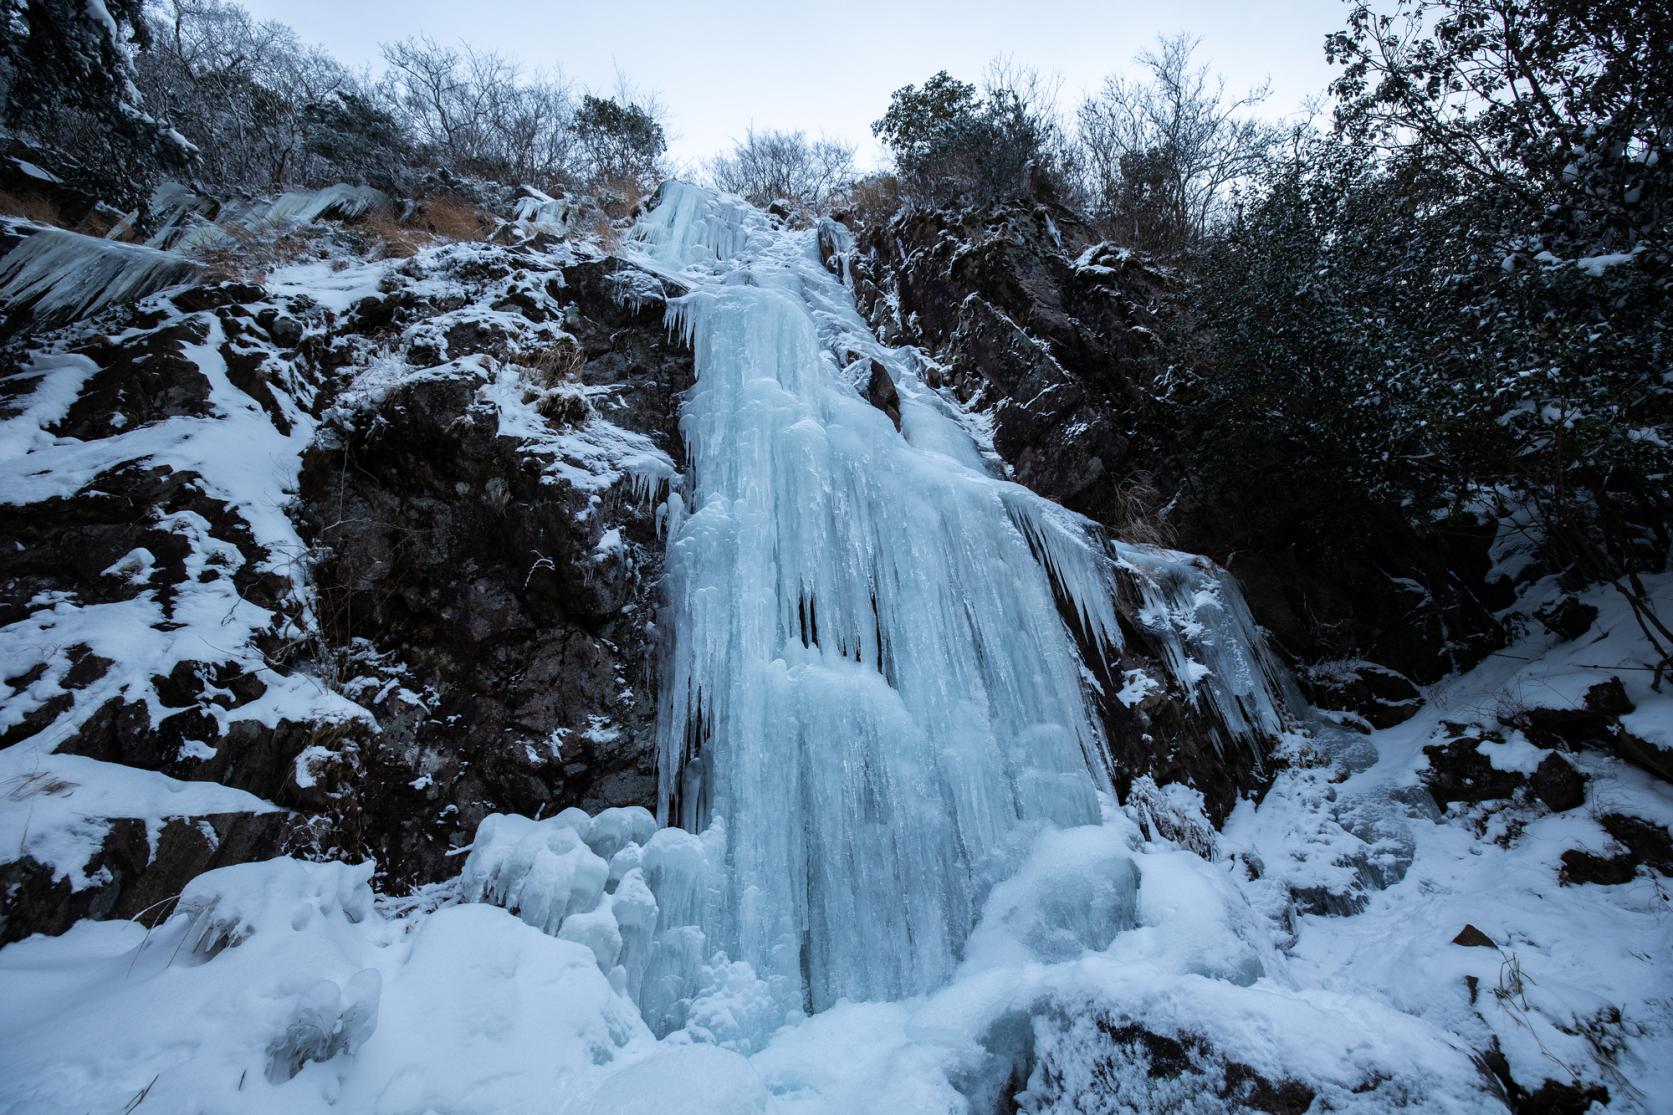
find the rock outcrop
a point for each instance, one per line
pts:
(1065, 346)
(334, 562)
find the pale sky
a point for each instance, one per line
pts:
(828, 69)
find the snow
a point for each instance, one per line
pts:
(902, 883)
(863, 636)
(1567, 956)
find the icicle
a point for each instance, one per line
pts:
(870, 695)
(67, 275)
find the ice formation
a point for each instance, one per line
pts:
(871, 701)
(65, 275)
(895, 835)
(1209, 641)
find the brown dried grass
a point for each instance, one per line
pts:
(389, 239)
(31, 207)
(453, 217)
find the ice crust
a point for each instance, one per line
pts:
(867, 679)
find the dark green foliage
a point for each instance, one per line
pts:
(59, 53)
(954, 143)
(620, 142)
(67, 83)
(1462, 294)
(358, 139)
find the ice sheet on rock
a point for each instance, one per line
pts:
(1210, 643)
(868, 676)
(65, 275)
(268, 217)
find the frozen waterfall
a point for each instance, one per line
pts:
(872, 699)
(868, 687)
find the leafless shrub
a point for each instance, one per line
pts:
(772, 166)
(1160, 155)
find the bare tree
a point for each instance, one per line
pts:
(1162, 153)
(240, 89)
(785, 166)
(476, 112)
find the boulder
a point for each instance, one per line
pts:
(1458, 771)
(1556, 783)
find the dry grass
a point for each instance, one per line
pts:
(618, 194)
(557, 362)
(562, 407)
(875, 199)
(389, 239)
(249, 252)
(31, 207)
(37, 784)
(1135, 516)
(453, 217)
(602, 229)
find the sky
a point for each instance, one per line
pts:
(723, 66)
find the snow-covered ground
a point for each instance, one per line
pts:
(440, 1004)
(1576, 985)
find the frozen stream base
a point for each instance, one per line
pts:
(287, 987)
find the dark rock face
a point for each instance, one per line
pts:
(1130, 1059)
(1064, 345)
(1643, 844)
(1596, 724)
(1377, 695)
(1585, 867)
(1055, 348)
(1567, 618)
(1551, 1097)
(473, 614)
(1558, 784)
(515, 597)
(133, 878)
(1472, 938)
(881, 393)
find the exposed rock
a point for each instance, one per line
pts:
(1596, 724)
(516, 599)
(881, 393)
(1556, 783)
(1567, 618)
(1643, 843)
(1647, 842)
(131, 876)
(1586, 867)
(1472, 938)
(1380, 696)
(1551, 1097)
(1131, 1059)
(1458, 771)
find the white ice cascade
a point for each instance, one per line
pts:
(871, 701)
